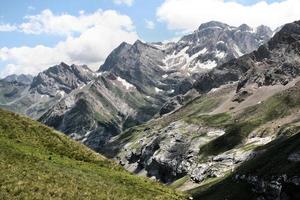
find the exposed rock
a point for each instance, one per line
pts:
(275, 62)
(294, 157)
(61, 79)
(24, 79)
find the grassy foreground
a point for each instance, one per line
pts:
(37, 162)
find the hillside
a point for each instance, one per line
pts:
(130, 87)
(37, 162)
(242, 110)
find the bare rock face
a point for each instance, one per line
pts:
(170, 68)
(61, 78)
(276, 62)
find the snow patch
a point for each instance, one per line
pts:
(171, 91)
(61, 93)
(237, 50)
(157, 90)
(125, 83)
(220, 54)
(220, 42)
(99, 74)
(82, 86)
(206, 65)
(181, 59)
(165, 75)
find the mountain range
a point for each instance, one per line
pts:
(203, 114)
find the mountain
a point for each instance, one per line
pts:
(100, 109)
(169, 68)
(38, 162)
(134, 84)
(45, 90)
(274, 62)
(23, 78)
(196, 114)
(61, 79)
(245, 110)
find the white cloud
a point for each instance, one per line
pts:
(100, 33)
(127, 2)
(189, 14)
(7, 27)
(150, 24)
(65, 24)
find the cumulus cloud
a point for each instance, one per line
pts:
(99, 34)
(150, 24)
(127, 2)
(48, 23)
(189, 14)
(7, 27)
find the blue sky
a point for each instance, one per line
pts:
(13, 11)
(148, 20)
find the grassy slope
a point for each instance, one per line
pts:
(38, 163)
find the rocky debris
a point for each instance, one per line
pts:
(241, 96)
(294, 157)
(173, 152)
(171, 105)
(218, 166)
(280, 187)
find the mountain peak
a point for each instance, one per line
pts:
(62, 78)
(63, 64)
(245, 27)
(289, 34)
(138, 43)
(212, 24)
(264, 30)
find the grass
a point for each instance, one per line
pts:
(218, 120)
(178, 183)
(236, 130)
(37, 162)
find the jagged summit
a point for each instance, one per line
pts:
(212, 24)
(275, 62)
(245, 27)
(289, 34)
(61, 78)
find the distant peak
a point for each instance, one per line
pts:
(124, 44)
(264, 30)
(212, 24)
(139, 42)
(63, 64)
(245, 27)
(22, 78)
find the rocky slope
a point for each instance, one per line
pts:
(100, 109)
(243, 105)
(274, 62)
